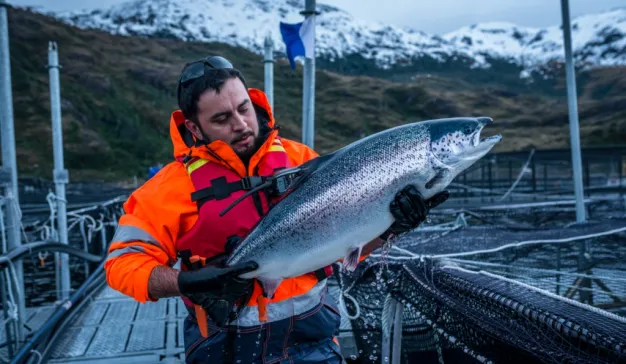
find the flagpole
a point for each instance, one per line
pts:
(308, 82)
(570, 78)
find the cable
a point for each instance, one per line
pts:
(521, 174)
(36, 247)
(528, 242)
(58, 315)
(69, 319)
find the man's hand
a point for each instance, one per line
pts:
(409, 210)
(211, 281)
(216, 289)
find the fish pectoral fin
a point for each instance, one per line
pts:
(440, 175)
(351, 260)
(269, 286)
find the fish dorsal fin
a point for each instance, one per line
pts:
(308, 168)
(302, 172)
(314, 164)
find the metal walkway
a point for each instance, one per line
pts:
(115, 327)
(35, 318)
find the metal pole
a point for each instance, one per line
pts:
(9, 162)
(60, 173)
(619, 173)
(385, 351)
(268, 60)
(305, 114)
(573, 113)
(8, 324)
(103, 236)
(558, 268)
(396, 343)
(587, 175)
(308, 84)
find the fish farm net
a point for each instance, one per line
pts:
(513, 291)
(89, 229)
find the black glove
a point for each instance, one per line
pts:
(409, 210)
(216, 289)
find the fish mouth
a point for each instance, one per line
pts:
(479, 144)
(470, 150)
(478, 147)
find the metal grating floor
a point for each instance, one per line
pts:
(115, 327)
(35, 318)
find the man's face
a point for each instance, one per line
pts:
(228, 116)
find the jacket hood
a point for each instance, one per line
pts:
(184, 142)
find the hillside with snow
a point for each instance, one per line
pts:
(118, 93)
(598, 39)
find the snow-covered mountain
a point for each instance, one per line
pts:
(598, 39)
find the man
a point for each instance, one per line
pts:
(223, 135)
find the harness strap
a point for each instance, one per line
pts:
(220, 189)
(194, 264)
(262, 305)
(324, 273)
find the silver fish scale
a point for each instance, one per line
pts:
(342, 205)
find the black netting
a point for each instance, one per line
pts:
(453, 315)
(512, 291)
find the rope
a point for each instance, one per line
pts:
(413, 256)
(87, 224)
(38, 354)
(519, 177)
(14, 205)
(343, 295)
(11, 203)
(401, 250)
(12, 309)
(102, 205)
(486, 190)
(345, 309)
(538, 270)
(520, 278)
(528, 242)
(52, 231)
(2, 230)
(11, 312)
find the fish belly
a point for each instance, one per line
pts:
(304, 253)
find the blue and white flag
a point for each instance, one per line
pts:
(299, 39)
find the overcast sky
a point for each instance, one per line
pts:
(432, 16)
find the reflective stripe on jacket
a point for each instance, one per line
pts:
(159, 212)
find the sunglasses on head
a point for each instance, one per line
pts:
(195, 70)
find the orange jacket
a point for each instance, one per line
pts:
(162, 209)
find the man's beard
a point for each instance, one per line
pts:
(248, 153)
